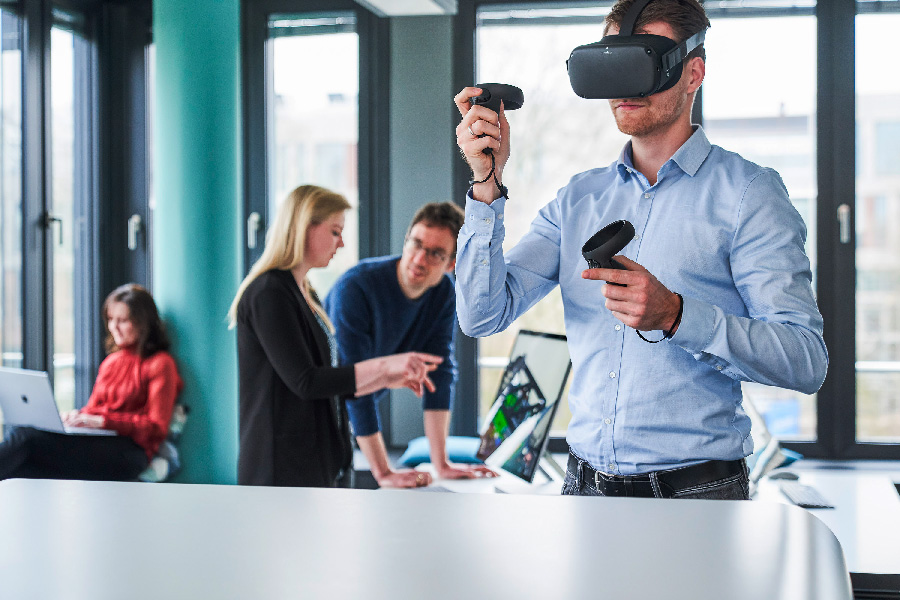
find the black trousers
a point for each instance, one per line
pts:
(35, 454)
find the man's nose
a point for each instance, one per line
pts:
(420, 256)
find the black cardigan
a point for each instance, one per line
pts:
(292, 431)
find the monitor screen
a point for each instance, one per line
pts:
(516, 429)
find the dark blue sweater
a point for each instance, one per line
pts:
(372, 317)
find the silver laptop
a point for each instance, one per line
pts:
(27, 400)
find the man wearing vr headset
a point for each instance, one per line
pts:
(717, 271)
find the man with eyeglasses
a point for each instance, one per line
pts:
(401, 304)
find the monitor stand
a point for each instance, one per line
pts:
(548, 466)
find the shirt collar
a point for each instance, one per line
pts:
(693, 152)
(689, 157)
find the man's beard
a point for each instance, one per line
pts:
(654, 120)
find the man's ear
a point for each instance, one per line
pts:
(451, 266)
(697, 72)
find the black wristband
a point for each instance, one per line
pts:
(667, 334)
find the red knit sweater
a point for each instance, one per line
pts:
(136, 396)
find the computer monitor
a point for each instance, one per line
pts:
(516, 429)
(767, 451)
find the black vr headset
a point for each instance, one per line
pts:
(627, 65)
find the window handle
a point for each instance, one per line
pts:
(253, 223)
(134, 228)
(50, 219)
(843, 215)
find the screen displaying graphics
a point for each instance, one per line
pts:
(515, 431)
(519, 399)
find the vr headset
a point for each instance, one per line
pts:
(628, 65)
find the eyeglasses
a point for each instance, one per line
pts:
(434, 256)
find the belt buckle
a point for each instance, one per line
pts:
(597, 480)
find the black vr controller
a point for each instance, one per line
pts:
(606, 243)
(491, 96)
(493, 93)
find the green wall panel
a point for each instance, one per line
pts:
(196, 221)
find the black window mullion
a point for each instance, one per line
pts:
(836, 126)
(123, 39)
(37, 304)
(464, 420)
(254, 93)
(374, 135)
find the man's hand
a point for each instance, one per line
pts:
(404, 478)
(644, 303)
(450, 470)
(482, 128)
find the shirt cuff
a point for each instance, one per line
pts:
(698, 323)
(485, 219)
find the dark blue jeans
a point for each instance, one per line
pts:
(736, 487)
(34, 454)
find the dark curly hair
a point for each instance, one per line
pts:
(439, 214)
(143, 314)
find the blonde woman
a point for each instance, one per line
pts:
(293, 422)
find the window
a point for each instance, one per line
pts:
(69, 192)
(313, 118)
(10, 189)
(887, 148)
(877, 233)
(11, 267)
(773, 125)
(530, 47)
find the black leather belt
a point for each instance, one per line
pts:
(670, 480)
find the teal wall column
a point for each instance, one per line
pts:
(196, 221)
(423, 118)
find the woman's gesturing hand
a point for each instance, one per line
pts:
(409, 370)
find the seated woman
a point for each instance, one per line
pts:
(293, 421)
(134, 395)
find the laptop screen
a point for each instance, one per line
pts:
(516, 428)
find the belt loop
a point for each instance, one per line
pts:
(654, 482)
(579, 474)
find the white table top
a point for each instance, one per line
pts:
(865, 517)
(72, 539)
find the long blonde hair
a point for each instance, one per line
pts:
(286, 239)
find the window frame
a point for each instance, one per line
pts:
(374, 139)
(110, 82)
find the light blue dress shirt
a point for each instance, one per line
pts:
(716, 228)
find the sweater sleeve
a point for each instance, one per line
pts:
(282, 332)
(350, 312)
(149, 425)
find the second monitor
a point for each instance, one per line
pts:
(516, 429)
